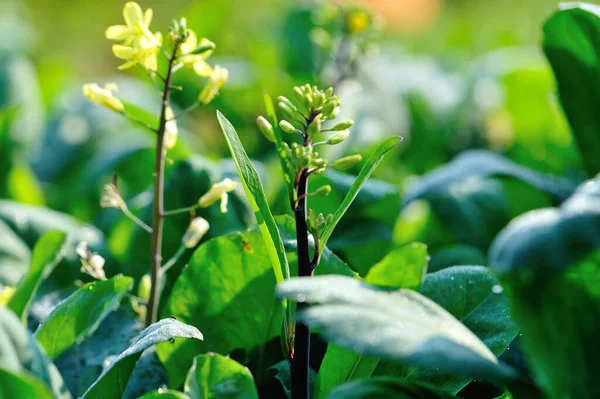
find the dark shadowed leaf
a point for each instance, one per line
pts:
(387, 388)
(79, 315)
(112, 383)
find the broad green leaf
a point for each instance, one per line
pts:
(400, 325)
(112, 383)
(480, 164)
(214, 376)
(404, 267)
(78, 316)
(473, 296)
(388, 388)
(22, 386)
(20, 353)
(364, 174)
(228, 290)
(165, 394)
(549, 262)
(46, 255)
(572, 47)
(258, 200)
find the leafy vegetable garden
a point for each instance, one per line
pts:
(305, 274)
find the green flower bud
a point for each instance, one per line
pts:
(287, 127)
(144, 287)
(334, 114)
(288, 113)
(204, 47)
(299, 94)
(329, 92)
(323, 191)
(343, 125)
(266, 128)
(346, 162)
(328, 108)
(287, 102)
(315, 126)
(338, 137)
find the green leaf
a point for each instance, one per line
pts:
(366, 172)
(258, 200)
(15, 256)
(112, 383)
(22, 386)
(79, 315)
(401, 325)
(481, 163)
(214, 376)
(388, 388)
(165, 394)
(20, 353)
(473, 296)
(549, 262)
(572, 46)
(404, 267)
(46, 255)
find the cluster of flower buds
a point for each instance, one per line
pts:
(317, 223)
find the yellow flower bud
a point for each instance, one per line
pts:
(103, 96)
(5, 294)
(217, 192)
(266, 128)
(346, 162)
(217, 79)
(197, 229)
(323, 191)
(144, 287)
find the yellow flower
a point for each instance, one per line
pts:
(217, 79)
(171, 130)
(5, 294)
(198, 61)
(217, 192)
(358, 21)
(103, 96)
(137, 24)
(143, 52)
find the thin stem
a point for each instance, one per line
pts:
(174, 259)
(188, 109)
(300, 362)
(181, 210)
(158, 203)
(139, 121)
(137, 220)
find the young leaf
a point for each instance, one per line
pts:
(258, 200)
(79, 315)
(366, 172)
(404, 267)
(20, 353)
(46, 255)
(400, 325)
(214, 376)
(388, 388)
(112, 383)
(571, 45)
(22, 386)
(165, 394)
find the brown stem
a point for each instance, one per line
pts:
(158, 204)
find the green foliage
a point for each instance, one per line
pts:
(571, 45)
(548, 261)
(112, 383)
(14, 386)
(384, 388)
(22, 359)
(213, 376)
(79, 315)
(46, 254)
